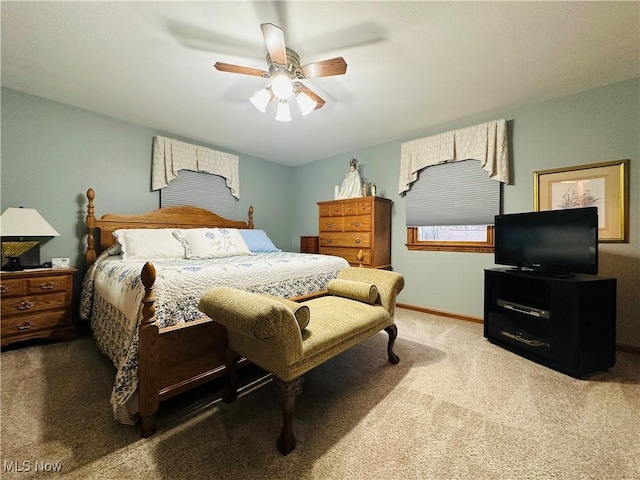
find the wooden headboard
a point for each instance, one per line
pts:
(100, 230)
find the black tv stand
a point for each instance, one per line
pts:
(565, 323)
(542, 273)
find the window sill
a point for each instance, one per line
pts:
(450, 247)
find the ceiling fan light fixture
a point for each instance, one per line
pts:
(282, 87)
(261, 99)
(305, 102)
(283, 114)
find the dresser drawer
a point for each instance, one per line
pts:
(19, 324)
(50, 284)
(332, 210)
(348, 239)
(358, 223)
(358, 207)
(13, 287)
(33, 303)
(331, 224)
(349, 254)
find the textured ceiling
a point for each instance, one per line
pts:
(412, 66)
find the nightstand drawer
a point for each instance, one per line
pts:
(31, 322)
(13, 287)
(47, 284)
(33, 303)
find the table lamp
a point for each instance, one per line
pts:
(21, 223)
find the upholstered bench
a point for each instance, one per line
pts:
(288, 339)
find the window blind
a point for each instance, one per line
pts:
(457, 193)
(201, 190)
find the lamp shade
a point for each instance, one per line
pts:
(306, 103)
(261, 99)
(283, 114)
(25, 222)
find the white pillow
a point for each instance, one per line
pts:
(149, 243)
(211, 242)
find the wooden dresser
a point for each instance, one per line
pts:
(353, 224)
(37, 304)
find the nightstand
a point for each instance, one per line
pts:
(36, 303)
(308, 244)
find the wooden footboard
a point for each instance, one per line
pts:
(174, 359)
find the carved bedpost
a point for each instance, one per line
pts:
(251, 216)
(90, 254)
(148, 355)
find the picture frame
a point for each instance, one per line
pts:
(604, 185)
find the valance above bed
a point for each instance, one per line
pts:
(486, 142)
(171, 156)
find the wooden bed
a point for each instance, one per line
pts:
(174, 359)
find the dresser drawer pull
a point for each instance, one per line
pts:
(357, 240)
(47, 285)
(25, 326)
(329, 240)
(25, 305)
(356, 224)
(331, 225)
(4, 289)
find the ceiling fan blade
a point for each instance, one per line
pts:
(325, 68)
(228, 67)
(274, 39)
(313, 95)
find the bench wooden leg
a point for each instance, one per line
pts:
(231, 364)
(392, 330)
(288, 391)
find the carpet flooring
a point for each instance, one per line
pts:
(455, 407)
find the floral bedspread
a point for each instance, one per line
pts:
(112, 293)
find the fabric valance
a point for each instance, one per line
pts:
(171, 156)
(486, 142)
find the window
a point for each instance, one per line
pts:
(202, 190)
(451, 207)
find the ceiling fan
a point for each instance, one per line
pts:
(287, 74)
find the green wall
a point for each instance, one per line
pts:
(593, 126)
(51, 154)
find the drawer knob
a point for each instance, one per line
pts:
(25, 305)
(357, 224)
(25, 326)
(329, 240)
(47, 285)
(331, 225)
(4, 289)
(358, 240)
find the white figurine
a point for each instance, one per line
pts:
(351, 185)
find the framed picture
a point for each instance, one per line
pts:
(604, 185)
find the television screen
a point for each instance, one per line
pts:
(551, 241)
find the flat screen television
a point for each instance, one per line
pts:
(555, 242)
